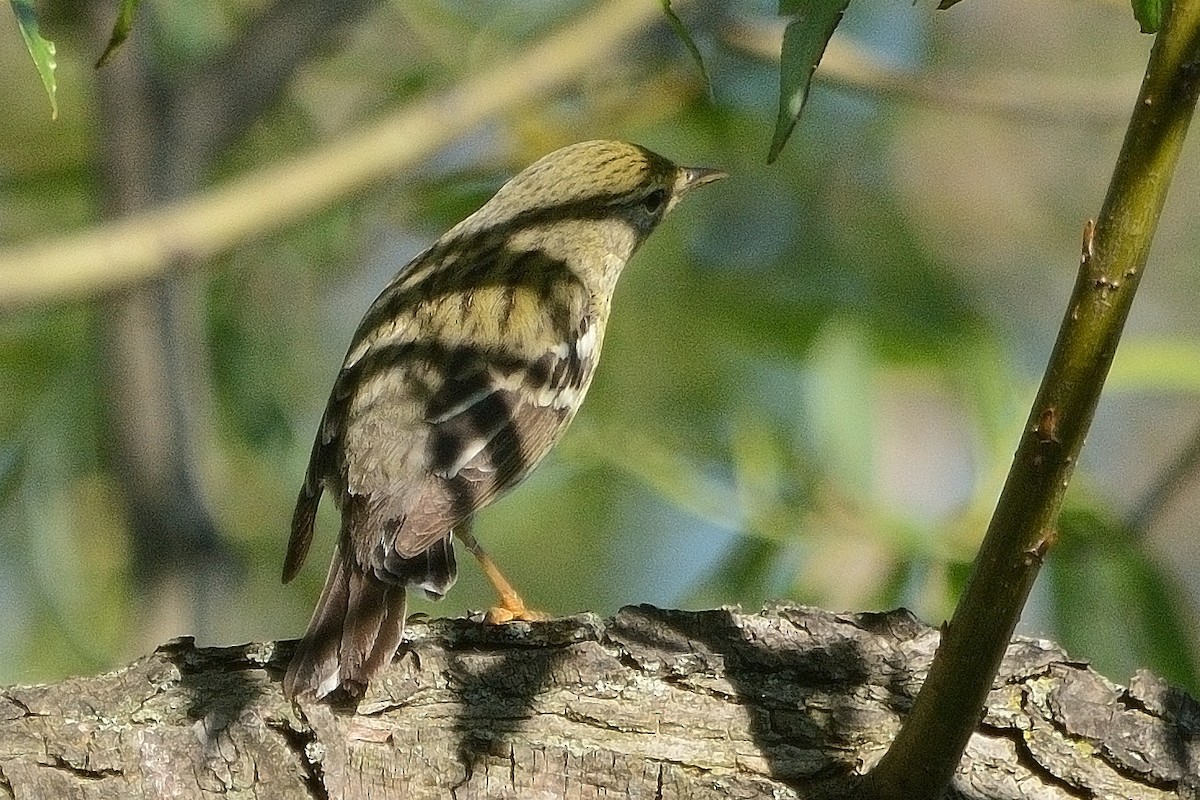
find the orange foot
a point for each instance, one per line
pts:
(509, 611)
(511, 607)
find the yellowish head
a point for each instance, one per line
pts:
(594, 179)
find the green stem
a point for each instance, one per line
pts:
(922, 760)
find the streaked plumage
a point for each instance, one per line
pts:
(462, 375)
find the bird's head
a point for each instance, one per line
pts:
(593, 180)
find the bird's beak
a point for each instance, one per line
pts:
(692, 177)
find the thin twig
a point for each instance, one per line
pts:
(922, 760)
(1169, 482)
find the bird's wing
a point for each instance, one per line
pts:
(431, 429)
(488, 430)
(305, 515)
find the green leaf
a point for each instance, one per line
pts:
(1149, 14)
(42, 50)
(838, 397)
(682, 32)
(120, 30)
(804, 42)
(766, 480)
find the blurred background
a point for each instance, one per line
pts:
(815, 375)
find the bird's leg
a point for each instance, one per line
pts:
(511, 606)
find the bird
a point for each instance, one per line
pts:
(463, 373)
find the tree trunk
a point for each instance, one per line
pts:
(791, 702)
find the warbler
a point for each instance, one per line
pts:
(463, 374)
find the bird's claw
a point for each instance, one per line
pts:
(499, 615)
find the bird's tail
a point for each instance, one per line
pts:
(353, 635)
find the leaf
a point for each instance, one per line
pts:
(120, 30)
(682, 32)
(804, 42)
(42, 50)
(767, 481)
(1149, 14)
(838, 397)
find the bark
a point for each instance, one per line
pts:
(791, 702)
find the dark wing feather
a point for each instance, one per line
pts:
(488, 428)
(305, 515)
(354, 631)
(320, 467)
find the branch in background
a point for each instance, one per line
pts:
(114, 255)
(922, 760)
(1059, 98)
(249, 73)
(1168, 483)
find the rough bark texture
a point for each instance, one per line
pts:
(791, 702)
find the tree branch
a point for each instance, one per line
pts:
(1024, 526)
(787, 703)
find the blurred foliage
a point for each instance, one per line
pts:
(686, 37)
(815, 374)
(1102, 573)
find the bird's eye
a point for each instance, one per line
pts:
(654, 201)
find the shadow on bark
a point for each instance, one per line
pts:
(773, 684)
(790, 702)
(496, 698)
